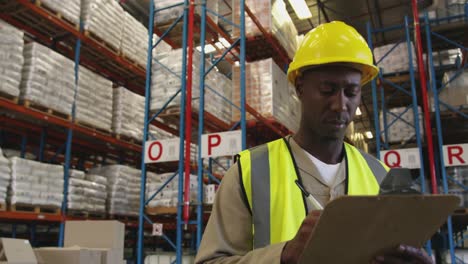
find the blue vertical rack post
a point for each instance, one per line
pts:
(143, 218)
(430, 36)
(399, 88)
(240, 42)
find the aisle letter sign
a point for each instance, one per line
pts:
(456, 155)
(221, 144)
(401, 158)
(162, 150)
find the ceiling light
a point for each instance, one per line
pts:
(369, 135)
(300, 8)
(358, 111)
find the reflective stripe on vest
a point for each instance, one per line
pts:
(277, 204)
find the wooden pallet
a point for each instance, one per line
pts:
(36, 209)
(102, 42)
(126, 138)
(131, 60)
(92, 127)
(45, 109)
(161, 210)
(9, 97)
(123, 217)
(56, 13)
(86, 214)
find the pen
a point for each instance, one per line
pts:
(309, 196)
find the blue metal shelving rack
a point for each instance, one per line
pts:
(185, 100)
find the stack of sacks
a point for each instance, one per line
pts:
(400, 131)
(70, 10)
(162, 47)
(134, 40)
(169, 15)
(87, 192)
(104, 19)
(168, 197)
(455, 92)
(268, 92)
(165, 84)
(5, 174)
(35, 183)
(128, 113)
(274, 17)
(123, 188)
(94, 100)
(445, 57)
(48, 78)
(159, 133)
(397, 59)
(11, 58)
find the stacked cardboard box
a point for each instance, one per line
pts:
(35, 183)
(274, 18)
(87, 192)
(11, 58)
(94, 100)
(397, 59)
(41, 82)
(168, 197)
(123, 188)
(5, 175)
(70, 10)
(104, 19)
(455, 92)
(268, 92)
(14, 251)
(401, 131)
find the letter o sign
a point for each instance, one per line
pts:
(155, 151)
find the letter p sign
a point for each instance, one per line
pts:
(214, 140)
(221, 144)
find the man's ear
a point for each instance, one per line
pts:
(299, 86)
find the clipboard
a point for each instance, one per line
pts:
(353, 229)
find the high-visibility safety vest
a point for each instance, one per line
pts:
(277, 204)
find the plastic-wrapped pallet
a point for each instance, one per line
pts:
(401, 131)
(268, 92)
(94, 100)
(168, 197)
(274, 18)
(5, 174)
(169, 15)
(128, 113)
(123, 188)
(104, 19)
(11, 58)
(397, 59)
(159, 133)
(215, 104)
(48, 78)
(455, 92)
(35, 183)
(70, 9)
(134, 40)
(220, 166)
(87, 192)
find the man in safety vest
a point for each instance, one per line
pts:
(260, 210)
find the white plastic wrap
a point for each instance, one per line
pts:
(274, 18)
(5, 175)
(128, 113)
(401, 131)
(11, 58)
(104, 19)
(87, 194)
(455, 92)
(69, 9)
(168, 196)
(35, 183)
(123, 188)
(169, 15)
(134, 40)
(94, 100)
(48, 78)
(397, 59)
(165, 84)
(268, 92)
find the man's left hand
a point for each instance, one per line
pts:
(403, 254)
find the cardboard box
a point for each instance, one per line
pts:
(95, 234)
(210, 193)
(16, 251)
(70, 255)
(109, 255)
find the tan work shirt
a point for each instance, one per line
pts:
(228, 235)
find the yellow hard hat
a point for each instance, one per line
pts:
(334, 42)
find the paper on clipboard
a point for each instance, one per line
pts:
(353, 229)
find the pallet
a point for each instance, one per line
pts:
(9, 97)
(102, 42)
(161, 210)
(56, 14)
(126, 138)
(86, 214)
(35, 209)
(132, 61)
(92, 127)
(44, 109)
(125, 218)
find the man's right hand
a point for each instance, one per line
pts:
(294, 248)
